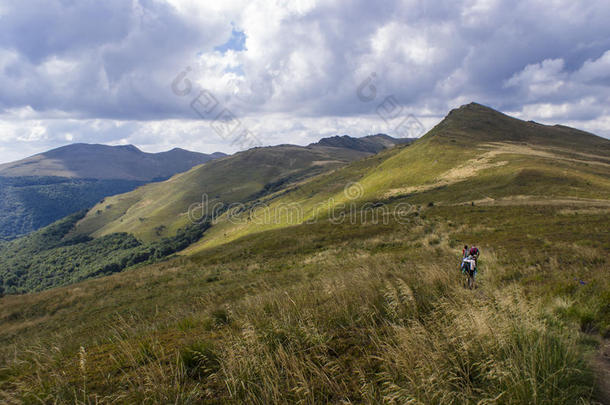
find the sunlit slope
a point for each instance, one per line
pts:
(159, 209)
(475, 154)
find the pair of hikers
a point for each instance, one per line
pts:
(470, 257)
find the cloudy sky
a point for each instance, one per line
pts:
(223, 75)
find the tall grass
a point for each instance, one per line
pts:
(367, 328)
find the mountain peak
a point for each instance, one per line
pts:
(474, 123)
(473, 108)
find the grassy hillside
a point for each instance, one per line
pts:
(159, 209)
(332, 313)
(357, 297)
(475, 155)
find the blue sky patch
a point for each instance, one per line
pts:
(237, 42)
(238, 70)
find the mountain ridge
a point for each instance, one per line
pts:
(99, 161)
(370, 143)
(475, 153)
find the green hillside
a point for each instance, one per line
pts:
(159, 209)
(495, 159)
(320, 301)
(331, 313)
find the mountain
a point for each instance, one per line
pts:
(157, 213)
(329, 275)
(43, 188)
(87, 161)
(475, 154)
(370, 143)
(475, 124)
(159, 209)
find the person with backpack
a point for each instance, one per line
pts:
(465, 251)
(466, 260)
(469, 262)
(474, 252)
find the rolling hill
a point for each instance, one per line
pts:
(475, 155)
(46, 187)
(356, 296)
(159, 209)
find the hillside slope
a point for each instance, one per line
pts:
(41, 189)
(159, 209)
(475, 155)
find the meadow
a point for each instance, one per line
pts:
(340, 313)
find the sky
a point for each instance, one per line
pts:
(228, 75)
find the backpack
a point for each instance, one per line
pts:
(474, 251)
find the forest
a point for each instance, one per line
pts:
(29, 203)
(51, 257)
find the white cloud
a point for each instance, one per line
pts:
(101, 71)
(540, 79)
(595, 69)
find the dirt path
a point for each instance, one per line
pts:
(601, 367)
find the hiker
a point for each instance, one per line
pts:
(474, 252)
(469, 262)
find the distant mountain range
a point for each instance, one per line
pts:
(87, 161)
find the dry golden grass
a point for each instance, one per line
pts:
(381, 318)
